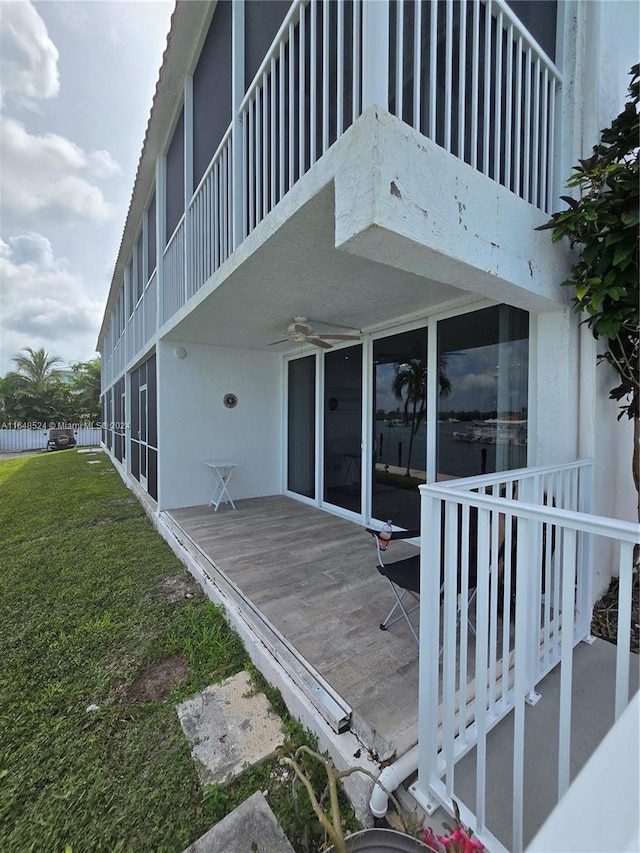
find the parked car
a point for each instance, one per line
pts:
(60, 439)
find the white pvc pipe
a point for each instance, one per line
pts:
(391, 778)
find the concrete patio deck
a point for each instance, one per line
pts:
(313, 577)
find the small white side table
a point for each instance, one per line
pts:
(222, 472)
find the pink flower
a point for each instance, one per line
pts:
(430, 840)
(458, 842)
(463, 843)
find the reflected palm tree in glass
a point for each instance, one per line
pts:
(410, 387)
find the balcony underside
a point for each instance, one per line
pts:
(385, 226)
(313, 577)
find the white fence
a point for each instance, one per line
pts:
(15, 440)
(515, 554)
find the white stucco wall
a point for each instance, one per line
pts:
(554, 403)
(196, 426)
(408, 203)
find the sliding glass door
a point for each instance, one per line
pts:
(342, 400)
(482, 418)
(463, 413)
(399, 426)
(301, 427)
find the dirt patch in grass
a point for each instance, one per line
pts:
(156, 681)
(174, 588)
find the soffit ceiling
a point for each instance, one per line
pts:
(299, 272)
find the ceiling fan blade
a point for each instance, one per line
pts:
(283, 341)
(339, 337)
(319, 343)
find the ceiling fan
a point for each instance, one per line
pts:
(301, 331)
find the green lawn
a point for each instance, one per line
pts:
(95, 610)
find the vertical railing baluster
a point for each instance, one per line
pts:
(214, 217)
(544, 140)
(486, 119)
(272, 128)
(462, 76)
(482, 644)
(281, 109)
(259, 147)
(252, 191)
(521, 685)
(433, 71)
(625, 579)
(417, 61)
(399, 57)
(497, 103)
(493, 607)
(566, 665)
(229, 200)
(475, 63)
(508, 121)
(449, 639)
(448, 75)
(518, 107)
(535, 176)
(463, 675)
(506, 604)
(357, 56)
(551, 148)
(526, 187)
(302, 81)
(340, 69)
(265, 144)
(313, 60)
(292, 107)
(325, 76)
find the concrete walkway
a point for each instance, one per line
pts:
(231, 727)
(251, 828)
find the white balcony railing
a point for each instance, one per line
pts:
(173, 273)
(515, 554)
(470, 77)
(466, 74)
(211, 218)
(150, 308)
(306, 93)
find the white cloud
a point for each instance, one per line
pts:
(28, 57)
(43, 303)
(103, 165)
(50, 176)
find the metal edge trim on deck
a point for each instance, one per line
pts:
(319, 692)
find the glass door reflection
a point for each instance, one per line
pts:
(399, 426)
(343, 428)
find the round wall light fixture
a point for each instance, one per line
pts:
(230, 401)
(180, 352)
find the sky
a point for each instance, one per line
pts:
(77, 79)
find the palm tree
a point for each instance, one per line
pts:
(410, 384)
(37, 368)
(36, 393)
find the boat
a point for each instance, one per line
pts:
(496, 431)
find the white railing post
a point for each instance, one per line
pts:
(237, 94)
(375, 54)
(188, 185)
(429, 660)
(585, 556)
(161, 234)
